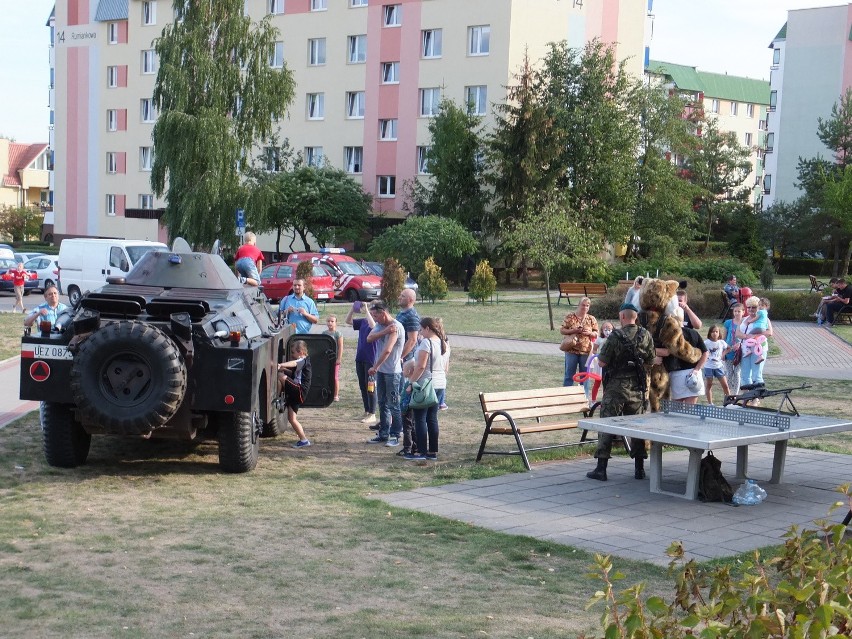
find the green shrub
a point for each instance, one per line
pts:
(483, 283)
(431, 282)
(804, 266)
(805, 591)
(717, 269)
(767, 275)
(393, 281)
(791, 306)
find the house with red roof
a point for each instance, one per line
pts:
(24, 173)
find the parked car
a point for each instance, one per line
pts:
(25, 257)
(379, 269)
(352, 281)
(47, 269)
(8, 264)
(277, 281)
(6, 252)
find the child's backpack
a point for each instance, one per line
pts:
(712, 485)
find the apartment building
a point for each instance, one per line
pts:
(738, 104)
(369, 75)
(24, 174)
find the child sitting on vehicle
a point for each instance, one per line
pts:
(294, 382)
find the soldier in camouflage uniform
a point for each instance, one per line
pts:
(625, 358)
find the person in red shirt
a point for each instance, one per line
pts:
(18, 278)
(249, 260)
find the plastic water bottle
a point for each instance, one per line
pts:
(749, 494)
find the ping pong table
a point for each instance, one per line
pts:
(700, 428)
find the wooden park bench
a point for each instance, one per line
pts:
(816, 285)
(585, 289)
(537, 410)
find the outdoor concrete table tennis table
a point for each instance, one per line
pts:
(700, 428)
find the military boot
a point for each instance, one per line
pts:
(599, 473)
(639, 468)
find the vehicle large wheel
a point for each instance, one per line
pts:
(352, 295)
(128, 377)
(239, 442)
(66, 444)
(74, 295)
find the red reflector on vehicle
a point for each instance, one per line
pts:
(229, 399)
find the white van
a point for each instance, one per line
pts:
(86, 263)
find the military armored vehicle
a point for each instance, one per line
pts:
(178, 348)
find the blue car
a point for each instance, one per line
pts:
(379, 269)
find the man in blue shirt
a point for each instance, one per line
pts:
(49, 311)
(301, 311)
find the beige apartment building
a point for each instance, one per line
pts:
(24, 174)
(369, 75)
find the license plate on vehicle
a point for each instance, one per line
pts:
(322, 296)
(45, 351)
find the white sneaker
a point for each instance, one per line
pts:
(369, 419)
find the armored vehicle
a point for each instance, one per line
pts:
(177, 348)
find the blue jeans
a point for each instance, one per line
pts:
(369, 399)
(387, 390)
(573, 363)
(442, 396)
(751, 373)
(247, 268)
(426, 430)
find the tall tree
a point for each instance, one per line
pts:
(835, 132)
(787, 226)
(217, 95)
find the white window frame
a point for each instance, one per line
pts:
(353, 159)
(749, 110)
(356, 49)
(111, 162)
(112, 76)
(769, 145)
(146, 158)
(388, 129)
(358, 3)
(386, 186)
(319, 5)
(423, 160)
(714, 105)
(356, 102)
(314, 156)
(476, 99)
(430, 102)
(149, 13)
(272, 159)
(147, 110)
(149, 61)
(112, 32)
(392, 15)
(735, 108)
(275, 7)
(276, 57)
(390, 72)
(431, 43)
(748, 139)
(112, 119)
(773, 100)
(479, 40)
(110, 204)
(316, 52)
(316, 106)
(146, 201)
(767, 183)
(776, 56)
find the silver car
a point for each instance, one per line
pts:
(47, 269)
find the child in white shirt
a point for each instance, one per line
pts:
(715, 366)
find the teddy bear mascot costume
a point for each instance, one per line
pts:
(663, 318)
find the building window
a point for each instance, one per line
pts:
(767, 183)
(146, 201)
(776, 57)
(316, 106)
(714, 106)
(430, 102)
(355, 104)
(149, 12)
(111, 162)
(749, 110)
(387, 129)
(432, 41)
(147, 110)
(357, 3)
(770, 142)
(314, 156)
(773, 100)
(319, 5)
(479, 40)
(476, 98)
(390, 72)
(112, 120)
(149, 61)
(357, 49)
(276, 58)
(423, 159)
(387, 186)
(392, 14)
(316, 51)
(112, 32)
(112, 77)
(353, 158)
(146, 158)
(748, 139)
(110, 204)
(735, 107)
(272, 158)
(276, 6)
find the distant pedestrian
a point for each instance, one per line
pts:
(469, 270)
(365, 355)
(331, 330)
(19, 278)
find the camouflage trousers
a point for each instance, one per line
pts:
(621, 397)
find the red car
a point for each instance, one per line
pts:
(352, 281)
(277, 281)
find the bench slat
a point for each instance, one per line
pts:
(538, 428)
(556, 391)
(542, 411)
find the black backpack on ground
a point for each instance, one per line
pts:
(712, 485)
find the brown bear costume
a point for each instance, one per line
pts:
(661, 316)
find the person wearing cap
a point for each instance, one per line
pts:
(625, 358)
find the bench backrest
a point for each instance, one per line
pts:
(538, 402)
(582, 288)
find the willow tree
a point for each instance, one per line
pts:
(217, 95)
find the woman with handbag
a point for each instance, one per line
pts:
(578, 331)
(428, 373)
(733, 352)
